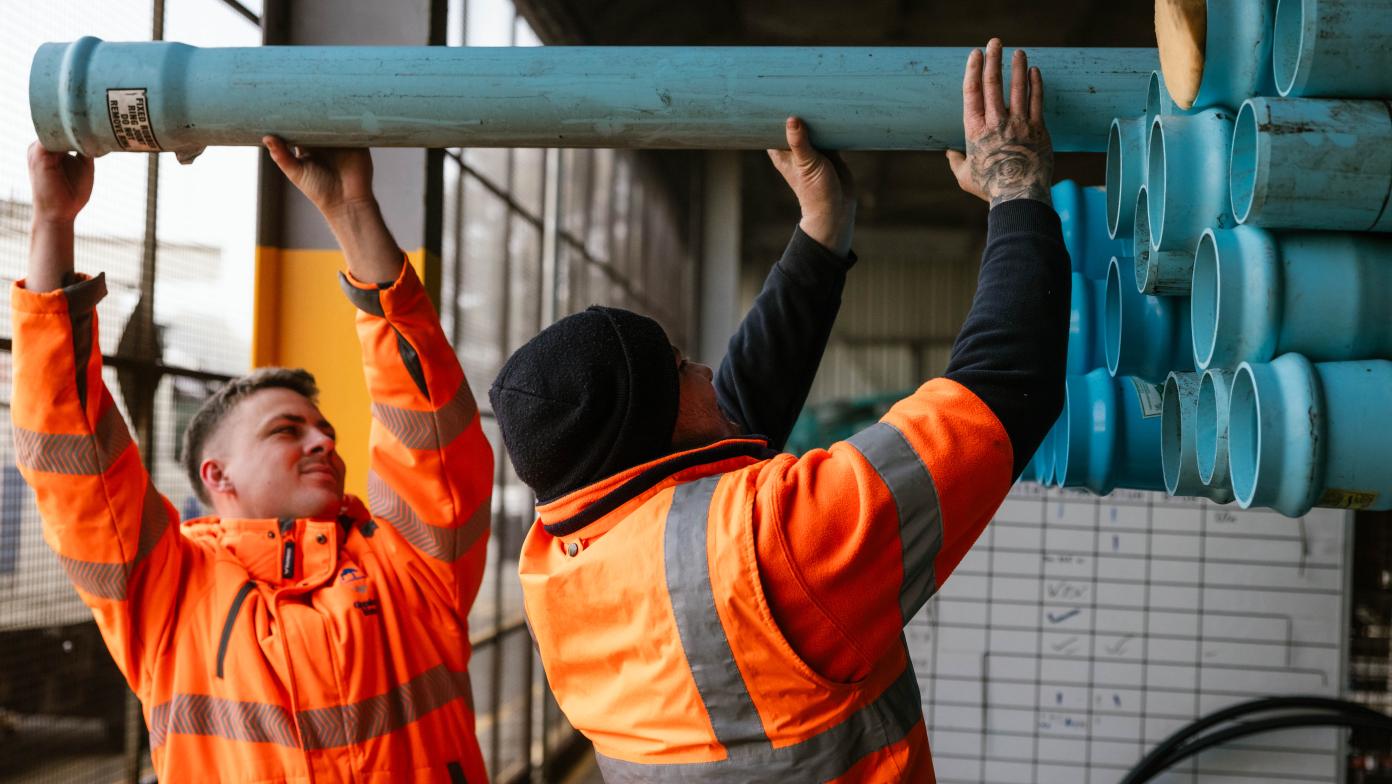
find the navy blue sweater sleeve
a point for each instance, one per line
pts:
(773, 357)
(1013, 347)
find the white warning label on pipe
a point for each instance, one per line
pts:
(129, 110)
(1152, 400)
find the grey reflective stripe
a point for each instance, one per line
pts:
(429, 429)
(920, 517)
(733, 716)
(74, 454)
(823, 757)
(367, 300)
(321, 728)
(446, 543)
(326, 728)
(201, 714)
(110, 580)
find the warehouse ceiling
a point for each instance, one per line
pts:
(897, 189)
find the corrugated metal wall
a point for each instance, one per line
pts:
(904, 303)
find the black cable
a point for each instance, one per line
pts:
(1174, 748)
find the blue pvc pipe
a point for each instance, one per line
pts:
(1257, 295)
(1083, 217)
(1158, 100)
(1304, 163)
(1336, 48)
(650, 97)
(1179, 441)
(1111, 434)
(1086, 348)
(1044, 458)
(1211, 426)
(1187, 177)
(1126, 169)
(1158, 272)
(1302, 435)
(1146, 336)
(1237, 53)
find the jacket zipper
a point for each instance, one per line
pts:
(227, 625)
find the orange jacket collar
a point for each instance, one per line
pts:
(571, 513)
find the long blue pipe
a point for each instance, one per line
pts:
(1211, 438)
(1146, 336)
(1302, 435)
(1110, 436)
(652, 97)
(1187, 177)
(1083, 217)
(1179, 458)
(1304, 163)
(1336, 48)
(1258, 295)
(1086, 349)
(1158, 272)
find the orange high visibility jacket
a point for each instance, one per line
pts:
(275, 650)
(646, 594)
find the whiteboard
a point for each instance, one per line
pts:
(1081, 631)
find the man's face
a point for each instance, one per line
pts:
(274, 457)
(699, 418)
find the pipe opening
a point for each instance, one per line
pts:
(1171, 427)
(1112, 327)
(1243, 162)
(1288, 39)
(1154, 100)
(1155, 183)
(1204, 300)
(1206, 425)
(1140, 242)
(1244, 435)
(1114, 179)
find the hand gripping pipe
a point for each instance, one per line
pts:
(1083, 217)
(1258, 295)
(1111, 434)
(1236, 52)
(1304, 163)
(1160, 272)
(1215, 386)
(1187, 177)
(1179, 441)
(1086, 351)
(1299, 435)
(100, 97)
(1336, 48)
(1146, 336)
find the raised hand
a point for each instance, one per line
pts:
(1009, 155)
(824, 188)
(334, 179)
(62, 183)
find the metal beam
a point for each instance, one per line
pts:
(182, 98)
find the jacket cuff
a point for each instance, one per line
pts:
(368, 297)
(1022, 215)
(75, 298)
(811, 263)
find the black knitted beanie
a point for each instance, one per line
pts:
(589, 396)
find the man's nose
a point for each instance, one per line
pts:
(320, 442)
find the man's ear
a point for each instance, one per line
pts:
(214, 477)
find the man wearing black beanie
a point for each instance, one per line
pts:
(708, 609)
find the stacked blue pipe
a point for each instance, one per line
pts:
(1255, 200)
(1110, 434)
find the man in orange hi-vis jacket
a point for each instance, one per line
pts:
(296, 635)
(708, 609)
